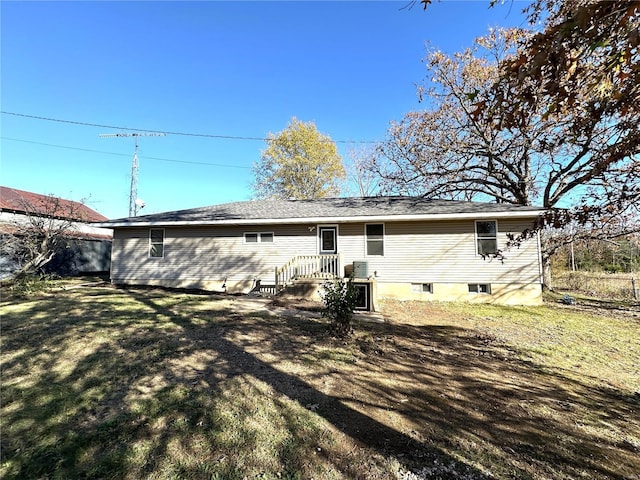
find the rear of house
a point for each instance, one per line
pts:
(398, 247)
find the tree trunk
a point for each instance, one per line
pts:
(546, 272)
(29, 268)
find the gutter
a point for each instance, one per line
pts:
(320, 220)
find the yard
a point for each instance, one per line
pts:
(145, 383)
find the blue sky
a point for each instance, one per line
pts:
(240, 69)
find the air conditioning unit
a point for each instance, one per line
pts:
(360, 270)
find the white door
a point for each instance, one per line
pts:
(328, 240)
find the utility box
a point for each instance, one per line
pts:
(360, 270)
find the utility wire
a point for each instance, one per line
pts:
(184, 134)
(124, 154)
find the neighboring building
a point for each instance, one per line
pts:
(403, 247)
(89, 248)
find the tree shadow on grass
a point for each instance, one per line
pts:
(474, 390)
(238, 362)
(175, 386)
(177, 398)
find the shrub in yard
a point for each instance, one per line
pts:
(613, 268)
(339, 297)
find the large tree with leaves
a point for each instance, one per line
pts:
(299, 162)
(444, 150)
(467, 143)
(583, 69)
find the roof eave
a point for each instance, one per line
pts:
(363, 218)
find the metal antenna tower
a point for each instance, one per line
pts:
(134, 202)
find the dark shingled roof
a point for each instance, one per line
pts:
(343, 208)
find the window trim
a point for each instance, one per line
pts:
(273, 237)
(420, 288)
(477, 237)
(259, 237)
(366, 297)
(478, 288)
(151, 243)
(366, 239)
(328, 226)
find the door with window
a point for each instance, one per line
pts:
(328, 245)
(328, 240)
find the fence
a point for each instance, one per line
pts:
(614, 286)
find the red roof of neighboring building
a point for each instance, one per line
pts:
(20, 201)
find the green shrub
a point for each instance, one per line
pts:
(613, 268)
(339, 297)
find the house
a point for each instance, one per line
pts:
(89, 247)
(403, 247)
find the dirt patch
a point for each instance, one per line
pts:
(293, 303)
(150, 383)
(603, 309)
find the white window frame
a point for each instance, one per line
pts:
(419, 287)
(319, 239)
(476, 237)
(244, 236)
(259, 237)
(477, 288)
(261, 234)
(367, 295)
(366, 239)
(151, 243)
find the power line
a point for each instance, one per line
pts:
(115, 127)
(184, 134)
(124, 154)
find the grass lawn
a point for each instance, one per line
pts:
(145, 383)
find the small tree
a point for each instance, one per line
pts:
(339, 297)
(31, 239)
(299, 163)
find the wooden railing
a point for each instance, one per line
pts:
(307, 266)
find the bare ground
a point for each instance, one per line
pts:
(444, 392)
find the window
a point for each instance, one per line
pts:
(480, 288)
(156, 242)
(487, 237)
(328, 240)
(262, 237)
(422, 287)
(362, 297)
(375, 238)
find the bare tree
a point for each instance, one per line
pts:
(444, 151)
(361, 178)
(43, 226)
(464, 146)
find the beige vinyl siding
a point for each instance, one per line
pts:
(414, 252)
(208, 253)
(442, 252)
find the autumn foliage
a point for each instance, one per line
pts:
(547, 116)
(300, 163)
